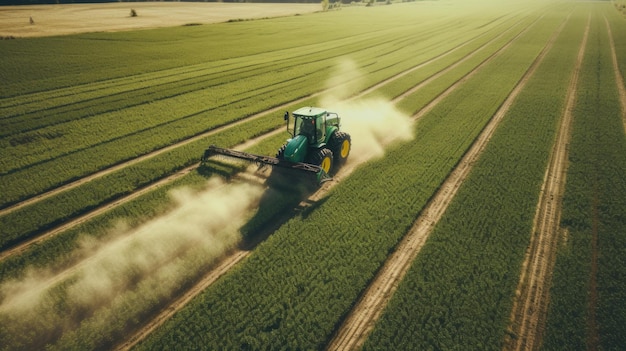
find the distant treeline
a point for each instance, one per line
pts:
(38, 2)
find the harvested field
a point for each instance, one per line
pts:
(50, 20)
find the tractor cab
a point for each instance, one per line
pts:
(310, 122)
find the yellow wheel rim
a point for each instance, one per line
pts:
(345, 148)
(326, 163)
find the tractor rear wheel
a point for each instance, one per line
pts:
(340, 143)
(322, 157)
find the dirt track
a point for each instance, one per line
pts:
(65, 19)
(530, 306)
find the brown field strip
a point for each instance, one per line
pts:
(73, 18)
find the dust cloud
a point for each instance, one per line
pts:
(373, 122)
(154, 258)
(152, 261)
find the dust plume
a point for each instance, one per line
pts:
(153, 259)
(373, 122)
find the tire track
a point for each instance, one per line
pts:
(361, 320)
(238, 255)
(532, 296)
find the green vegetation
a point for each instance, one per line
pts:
(588, 286)
(65, 115)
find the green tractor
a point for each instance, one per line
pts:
(316, 139)
(317, 146)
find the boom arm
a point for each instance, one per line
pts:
(213, 150)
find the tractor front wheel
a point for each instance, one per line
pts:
(281, 152)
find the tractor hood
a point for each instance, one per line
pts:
(296, 148)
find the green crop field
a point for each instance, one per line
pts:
(108, 220)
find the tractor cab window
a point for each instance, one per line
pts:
(306, 127)
(320, 129)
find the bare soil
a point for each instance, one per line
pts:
(50, 20)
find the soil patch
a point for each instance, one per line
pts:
(51, 20)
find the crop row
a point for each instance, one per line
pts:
(459, 290)
(296, 286)
(587, 294)
(29, 221)
(239, 65)
(482, 42)
(117, 94)
(89, 158)
(45, 214)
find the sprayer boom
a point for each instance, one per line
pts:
(213, 150)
